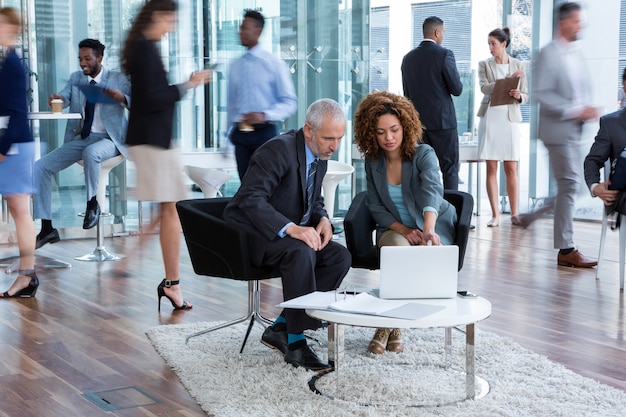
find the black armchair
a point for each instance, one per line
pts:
(359, 227)
(220, 249)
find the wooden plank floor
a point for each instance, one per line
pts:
(85, 330)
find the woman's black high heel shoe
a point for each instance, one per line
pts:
(27, 292)
(161, 293)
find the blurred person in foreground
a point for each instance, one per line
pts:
(149, 137)
(562, 88)
(260, 93)
(404, 188)
(17, 153)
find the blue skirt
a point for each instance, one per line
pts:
(16, 171)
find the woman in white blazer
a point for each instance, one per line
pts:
(498, 130)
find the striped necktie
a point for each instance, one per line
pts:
(310, 186)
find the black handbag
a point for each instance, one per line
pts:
(618, 172)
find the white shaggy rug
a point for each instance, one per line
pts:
(522, 383)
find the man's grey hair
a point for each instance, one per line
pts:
(321, 108)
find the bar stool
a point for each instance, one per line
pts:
(100, 253)
(209, 179)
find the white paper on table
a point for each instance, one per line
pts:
(368, 304)
(317, 300)
(362, 303)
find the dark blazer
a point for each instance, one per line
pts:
(152, 115)
(13, 102)
(273, 192)
(609, 142)
(429, 77)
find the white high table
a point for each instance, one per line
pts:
(41, 261)
(468, 154)
(456, 312)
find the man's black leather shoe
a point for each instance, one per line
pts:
(52, 237)
(92, 214)
(275, 340)
(305, 358)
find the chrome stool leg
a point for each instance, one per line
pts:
(100, 253)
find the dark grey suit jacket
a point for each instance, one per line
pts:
(273, 192)
(609, 142)
(429, 77)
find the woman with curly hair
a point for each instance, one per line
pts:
(404, 187)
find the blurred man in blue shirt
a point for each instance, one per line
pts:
(260, 93)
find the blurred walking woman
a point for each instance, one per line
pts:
(17, 153)
(149, 137)
(498, 129)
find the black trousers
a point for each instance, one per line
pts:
(446, 146)
(248, 142)
(303, 271)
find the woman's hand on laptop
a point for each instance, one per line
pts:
(430, 238)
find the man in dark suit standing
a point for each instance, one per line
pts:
(609, 143)
(429, 77)
(280, 203)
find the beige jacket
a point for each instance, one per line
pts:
(487, 81)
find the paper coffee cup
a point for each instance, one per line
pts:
(57, 105)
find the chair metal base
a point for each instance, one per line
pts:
(253, 314)
(100, 254)
(40, 262)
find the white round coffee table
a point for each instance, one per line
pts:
(454, 312)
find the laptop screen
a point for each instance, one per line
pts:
(418, 271)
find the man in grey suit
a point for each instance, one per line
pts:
(429, 78)
(98, 136)
(280, 203)
(609, 143)
(562, 89)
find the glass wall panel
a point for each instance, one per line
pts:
(325, 43)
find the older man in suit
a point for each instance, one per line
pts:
(98, 136)
(562, 89)
(280, 203)
(429, 78)
(609, 144)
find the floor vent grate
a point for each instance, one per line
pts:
(121, 398)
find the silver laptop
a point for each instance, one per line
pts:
(418, 272)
